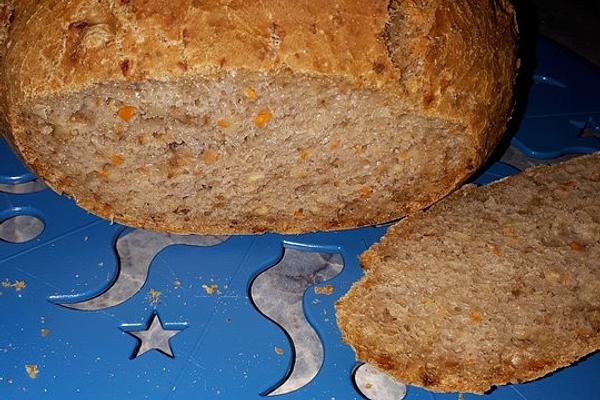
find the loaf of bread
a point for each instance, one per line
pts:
(228, 116)
(492, 285)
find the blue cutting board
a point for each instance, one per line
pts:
(224, 348)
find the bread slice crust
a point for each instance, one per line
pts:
(490, 286)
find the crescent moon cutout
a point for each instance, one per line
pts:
(278, 294)
(135, 252)
(23, 188)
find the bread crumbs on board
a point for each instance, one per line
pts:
(212, 289)
(18, 285)
(32, 370)
(324, 290)
(153, 296)
(44, 332)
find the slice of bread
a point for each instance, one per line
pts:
(492, 285)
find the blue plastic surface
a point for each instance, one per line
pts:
(494, 172)
(12, 171)
(225, 349)
(564, 101)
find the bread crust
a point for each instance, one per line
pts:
(490, 286)
(453, 60)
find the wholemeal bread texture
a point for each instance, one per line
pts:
(492, 285)
(250, 116)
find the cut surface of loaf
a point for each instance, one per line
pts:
(492, 285)
(241, 117)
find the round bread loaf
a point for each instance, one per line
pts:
(219, 117)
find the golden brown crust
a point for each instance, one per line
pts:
(82, 42)
(452, 60)
(6, 12)
(456, 58)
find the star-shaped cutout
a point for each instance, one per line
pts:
(155, 337)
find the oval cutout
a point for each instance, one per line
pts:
(375, 385)
(21, 228)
